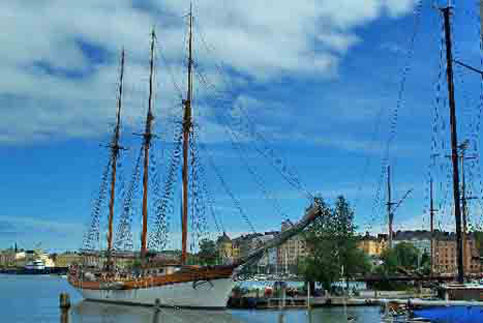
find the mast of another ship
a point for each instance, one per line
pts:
(115, 148)
(147, 143)
(187, 128)
(454, 143)
(431, 214)
(390, 214)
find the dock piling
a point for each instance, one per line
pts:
(157, 309)
(64, 304)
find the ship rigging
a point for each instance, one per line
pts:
(173, 283)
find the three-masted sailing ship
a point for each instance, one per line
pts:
(178, 284)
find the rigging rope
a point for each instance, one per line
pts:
(92, 236)
(257, 177)
(171, 74)
(227, 189)
(206, 194)
(399, 104)
(261, 144)
(164, 204)
(124, 238)
(266, 151)
(198, 208)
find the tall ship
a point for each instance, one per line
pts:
(174, 283)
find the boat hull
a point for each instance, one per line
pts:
(197, 294)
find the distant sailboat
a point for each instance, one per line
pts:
(178, 285)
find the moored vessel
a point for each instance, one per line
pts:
(168, 283)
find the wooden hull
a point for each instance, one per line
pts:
(201, 287)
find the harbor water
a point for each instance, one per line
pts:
(36, 299)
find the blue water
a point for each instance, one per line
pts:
(32, 298)
(35, 299)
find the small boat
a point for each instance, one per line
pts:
(34, 265)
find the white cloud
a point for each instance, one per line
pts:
(260, 39)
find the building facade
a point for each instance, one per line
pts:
(7, 259)
(67, 259)
(373, 245)
(420, 239)
(224, 246)
(446, 255)
(292, 251)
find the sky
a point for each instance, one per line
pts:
(335, 89)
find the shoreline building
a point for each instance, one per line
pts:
(444, 257)
(290, 253)
(445, 254)
(373, 245)
(421, 239)
(224, 247)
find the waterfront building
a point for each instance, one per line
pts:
(445, 254)
(247, 243)
(224, 246)
(243, 245)
(420, 239)
(268, 261)
(372, 245)
(7, 258)
(472, 260)
(290, 252)
(235, 251)
(67, 259)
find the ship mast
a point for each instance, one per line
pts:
(115, 148)
(187, 128)
(147, 143)
(389, 204)
(431, 214)
(454, 143)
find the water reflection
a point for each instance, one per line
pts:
(325, 315)
(94, 312)
(40, 295)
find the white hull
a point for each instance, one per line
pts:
(202, 294)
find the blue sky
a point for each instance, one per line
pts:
(320, 81)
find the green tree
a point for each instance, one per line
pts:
(207, 253)
(425, 263)
(404, 255)
(407, 255)
(333, 248)
(390, 262)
